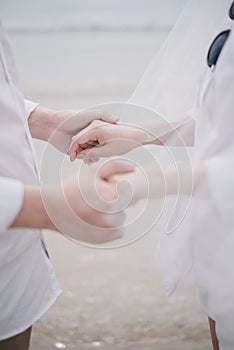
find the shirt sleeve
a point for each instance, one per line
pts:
(219, 172)
(11, 201)
(29, 107)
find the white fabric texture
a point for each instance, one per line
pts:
(27, 283)
(12, 194)
(29, 107)
(179, 84)
(171, 83)
(213, 222)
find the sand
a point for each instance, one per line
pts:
(116, 300)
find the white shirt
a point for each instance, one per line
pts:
(198, 232)
(27, 283)
(204, 240)
(213, 220)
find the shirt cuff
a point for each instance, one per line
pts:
(29, 107)
(12, 196)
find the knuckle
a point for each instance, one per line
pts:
(105, 114)
(95, 123)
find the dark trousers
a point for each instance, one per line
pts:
(18, 342)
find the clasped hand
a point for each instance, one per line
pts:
(101, 139)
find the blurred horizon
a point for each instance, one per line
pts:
(26, 15)
(78, 53)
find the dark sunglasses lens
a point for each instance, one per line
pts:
(216, 48)
(231, 11)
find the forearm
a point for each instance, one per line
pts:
(33, 213)
(175, 178)
(170, 134)
(156, 181)
(42, 122)
(185, 179)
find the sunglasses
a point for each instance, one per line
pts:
(218, 43)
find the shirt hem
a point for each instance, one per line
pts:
(34, 320)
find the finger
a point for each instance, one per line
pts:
(90, 137)
(88, 161)
(72, 154)
(109, 118)
(81, 156)
(115, 167)
(75, 152)
(102, 115)
(89, 144)
(87, 155)
(94, 160)
(116, 220)
(94, 152)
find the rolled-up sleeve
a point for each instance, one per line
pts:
(29, 107)
(11, 201)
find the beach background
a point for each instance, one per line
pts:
(76, 54)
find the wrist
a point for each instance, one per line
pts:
(139, 135)
(50, 199)
(143, 136)
(174, 178)
(179, 178)
(33, 213)
(42, 122)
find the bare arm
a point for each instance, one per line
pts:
(105, 140)
(170, 179)
(78, 207)
(42, 122)
(58, 127)
(33, 213)
(174, 134)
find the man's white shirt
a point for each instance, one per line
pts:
(28, 286)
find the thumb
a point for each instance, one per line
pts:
(86, 136)
(93, 152)
(108, 117)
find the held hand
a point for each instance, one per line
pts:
(154, 182)
(82, 208)
(101, 139)
(135, 181)
(65, 124)
(148, 182)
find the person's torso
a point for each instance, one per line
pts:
(214, 119)
(27, 282)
